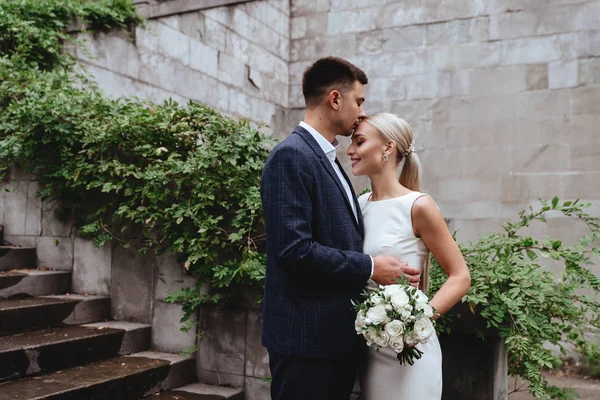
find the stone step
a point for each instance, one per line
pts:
(137, 336)
(200, 391)
(17, 257)
(33, 283)
(54, 349)
(119, 378)
(26, 314)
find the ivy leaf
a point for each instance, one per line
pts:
(531, 254)
(554, 202)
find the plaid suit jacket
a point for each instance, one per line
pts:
(315, 264)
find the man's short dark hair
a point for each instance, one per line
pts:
(327, 74)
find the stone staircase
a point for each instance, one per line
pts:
(62, 346)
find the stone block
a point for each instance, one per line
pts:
(269, 15)
(480, 109)
(362, 20)
(147, 39)
(537, 77)
(562, 74)
(52, 225)
(223, 341)
(297, 71)
(261, 111)
(541, 21)
(587, 16)
(544, 104)
(582, 130)
(498, 80)
(401, 13)
(589, 71)
(257, 356)
(480, 374)
(92, 48)
(546, 158)
(385, 89)
(352, 4)
(303, 7)
(269, 64)
(193, 25)
(173, 43)
(256, 389)
(239, 104)
(457, 31)
(343, 45)
(15, 207)
(586, 100)
(298, 28)
(524, 187)
(466, 56)
(117, 53)
(113, 84)
(231, 70)
(33, 217)
(296, 98)
(55, 253)
(421, 86)
(91, 268)
(132, 302)
(170, 276)
(204, 59)
(583, 185)
(459, 84)
(166, 329)
(281, 5)
(469, 230)
(454, 190)
(584, 157)
(216, 35)
(309, 26)
(532, 50)
(401, 38)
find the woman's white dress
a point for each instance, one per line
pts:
(389, 231)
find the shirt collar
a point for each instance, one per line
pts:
(328, 148)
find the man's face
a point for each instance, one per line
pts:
(351, 110)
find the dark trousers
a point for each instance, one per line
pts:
(295, 378)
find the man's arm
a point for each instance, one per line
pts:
(286, 190)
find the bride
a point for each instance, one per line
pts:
(401, 221)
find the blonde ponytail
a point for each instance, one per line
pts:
(410, 176)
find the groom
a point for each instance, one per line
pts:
(315, 264)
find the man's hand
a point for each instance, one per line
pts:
(387, 270)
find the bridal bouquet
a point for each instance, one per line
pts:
(396, 316)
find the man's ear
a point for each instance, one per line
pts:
(335, 98)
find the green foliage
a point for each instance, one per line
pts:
(528, 305)
(164, 177)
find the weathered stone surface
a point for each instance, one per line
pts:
(586, 100)
(52, 225)
(257, 357)
(531, 50)
(132, 302)
(223, 345)
(537, 76)
(166, 329)
(499, 80)
(91, 268)
(55, 252)
(589, 71)
(303, 7)
(256, 388)
(520, 188)
(562, 74)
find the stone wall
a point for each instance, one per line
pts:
(503, 95)
(234, 58)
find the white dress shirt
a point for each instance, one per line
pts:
(330, 151)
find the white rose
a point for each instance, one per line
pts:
(426, 309)
(423, 329)
(376, 299)
(382, 339)
(377, 315)
(405, 314)
(421, 297)
(370, 337)
(399, 300)
(394, 328)
(410, 340)
(397, 344)
(359, 323)
(391, 290)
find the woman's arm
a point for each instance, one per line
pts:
(429, 224)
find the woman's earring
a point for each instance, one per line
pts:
(385, 157)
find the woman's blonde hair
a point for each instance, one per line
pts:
(394, 128)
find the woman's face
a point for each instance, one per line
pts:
(366, 150)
